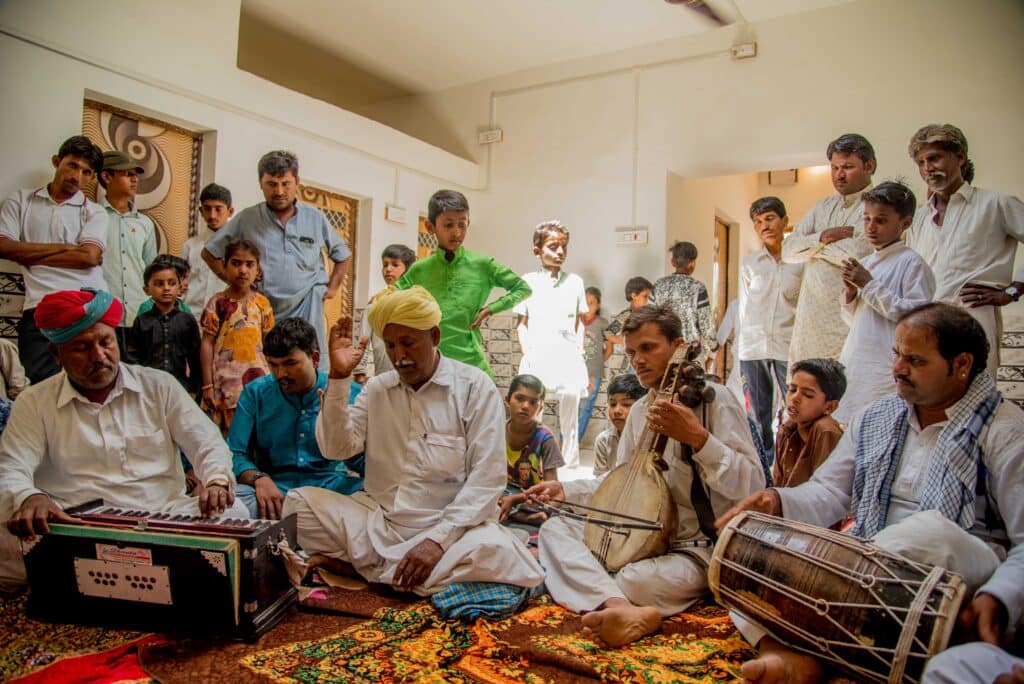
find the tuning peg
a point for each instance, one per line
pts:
(689, 396)
(707, 395)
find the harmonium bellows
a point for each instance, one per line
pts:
(134, 569)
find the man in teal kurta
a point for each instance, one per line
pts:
(461, 281)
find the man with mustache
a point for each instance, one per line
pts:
(292, 237)
(102, 429)
(433, 434)
(968, 235)
(831, 232)
(58, 237)
(273, 431)
(933, 471)
(630, 604)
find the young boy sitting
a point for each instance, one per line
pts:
(165, 336)
(532, 452)
(879, 290)
(215, 208)
(623, 391)
(461, 281)
(807, 438)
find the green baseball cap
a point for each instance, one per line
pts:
(116, 160)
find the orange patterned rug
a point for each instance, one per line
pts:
(540, 644)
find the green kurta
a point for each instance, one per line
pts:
(461, 287)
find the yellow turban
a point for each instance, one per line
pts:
(414, 308)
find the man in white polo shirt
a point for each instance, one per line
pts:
(58, 237)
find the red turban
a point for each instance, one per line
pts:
(62, 316)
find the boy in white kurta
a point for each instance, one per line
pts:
(551, 332)
(878, 291)
(435, 462)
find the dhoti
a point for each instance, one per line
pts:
(354, 528)
(578, 581)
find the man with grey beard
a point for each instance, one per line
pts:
(967, 235)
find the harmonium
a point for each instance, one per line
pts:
(180, 574)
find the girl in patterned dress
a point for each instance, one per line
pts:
(234, 323)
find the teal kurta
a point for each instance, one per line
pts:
(461, 287)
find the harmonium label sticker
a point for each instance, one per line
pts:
(115, 554)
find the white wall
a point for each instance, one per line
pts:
(177, 61)
(879, 67)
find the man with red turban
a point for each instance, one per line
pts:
(102, 429)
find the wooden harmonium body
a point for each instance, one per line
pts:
(162, 572)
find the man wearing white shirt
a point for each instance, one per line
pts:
(933, 472)
(769, 288)
(102, 430)
(58, 237)
(433, 432)
(968, 235)
(831, 232)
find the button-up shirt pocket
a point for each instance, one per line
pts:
(442, 459)
(143, 453)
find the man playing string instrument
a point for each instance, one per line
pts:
(630, 604)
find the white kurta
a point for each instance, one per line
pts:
(124, 451)
(554, 344)
(730, 469)
(435, 467)
(768, 298)
(900, 281)
(819, 330)
(977, 241)
(203, 283)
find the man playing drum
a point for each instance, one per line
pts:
(631, 603)
(933, 472)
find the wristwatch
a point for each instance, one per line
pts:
(1013, 292)
(258, 475)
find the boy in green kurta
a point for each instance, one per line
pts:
(461, 281)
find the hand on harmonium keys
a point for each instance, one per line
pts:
(30, 518)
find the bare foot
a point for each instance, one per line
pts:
(782, 666)
(620, 622)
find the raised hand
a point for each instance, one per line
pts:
(344, 357)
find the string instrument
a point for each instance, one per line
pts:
(632, 515)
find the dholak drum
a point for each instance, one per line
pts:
(874, 614)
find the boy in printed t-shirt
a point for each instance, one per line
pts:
(530, 448)
(461, 281)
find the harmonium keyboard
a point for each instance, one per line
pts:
(133, 569)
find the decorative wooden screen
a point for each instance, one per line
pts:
(342, 213)
(169, 187)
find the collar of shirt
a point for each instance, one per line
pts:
(849, 200)
(132, 212)
(965, 191)
(459, 254)
(126, 380)
(76, 200)
(558, 279)
(890, 249)
(272, 216)
(444, 375)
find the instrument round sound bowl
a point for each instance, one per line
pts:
(642, 494)
(875, 614)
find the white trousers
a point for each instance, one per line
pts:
(12, 550)
(352, 528)
(578, 581)
(568, 424)
(926, 537)
(975, 663)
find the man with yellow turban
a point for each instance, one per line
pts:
(433, 434)
(101, 429)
